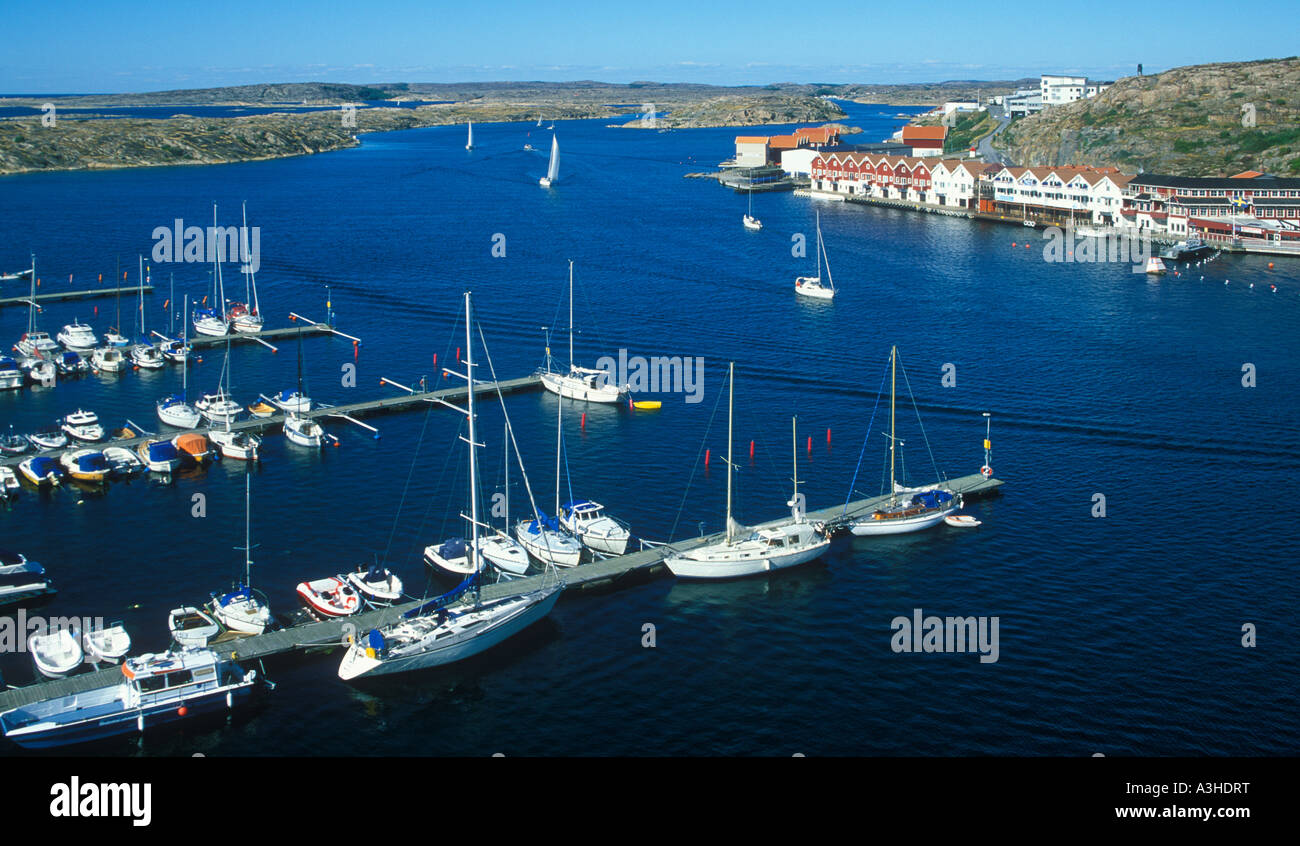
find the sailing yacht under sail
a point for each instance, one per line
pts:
(552, 169)
(811, 286)
(907, 509)
(749, 220)
(437, 633)
(772, 548)
(583, 383)
(469, 142)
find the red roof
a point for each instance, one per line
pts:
(751, 139)
(924, 133)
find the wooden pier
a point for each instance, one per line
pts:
(91, 294)
(200, 342)
(332, 634)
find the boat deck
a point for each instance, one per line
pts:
(333, 633)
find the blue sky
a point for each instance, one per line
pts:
(113, 46)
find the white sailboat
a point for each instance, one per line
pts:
(750, 221)
(774, 548)
(906, 510)
(211, 320)
(242, 610)
(144, 354)
(544, 537)
(582, 383)
(811, 286)
(300, 430)
(114, 337)
(243, 446)
(469, 142)
(506, 554)
(436, 634)
(217, 406)
(553, 169)
(175, 410)
(35, 343)
(246, 316)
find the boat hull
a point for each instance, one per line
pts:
(868, 527)
(578, 389)
(688, 567)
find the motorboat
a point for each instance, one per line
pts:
(86, 465)
(194, 445)
(261, 409)
(290, 401)
(70, 363)
(78, 337)
(1156, 267)
(218, 407)
(159, 456)
(587, 521)
(40, 470)
(192, 627)
(155, 690)
(9, 485)
(13, 444)
(56, 653)
(108, 645)
(108, 360)
(41, 371)
(147, 356)
(177, 352)
(332, 596)
(53, 438)
(22, 582)
(450, 556)
(11, 375)
(37, 343)
(123, 461)
(378, 586)
(304, 431)
(242, 446)
(82, 425)
(548, 542)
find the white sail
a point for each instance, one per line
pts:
(469, 142)
(553, 172)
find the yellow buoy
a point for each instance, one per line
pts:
(646, 405)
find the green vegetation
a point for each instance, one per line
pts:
(969, 129)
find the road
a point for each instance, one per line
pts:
(984, 148)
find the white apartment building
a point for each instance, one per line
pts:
(1061, 194)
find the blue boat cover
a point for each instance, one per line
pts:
(239, 594)
(454, 548)
(43, 464)
(92, 463)
(375, 640)
(932, 499)
(444, 600)
(162, 451)
(376, 573)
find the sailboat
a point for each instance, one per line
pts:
(774, 548)
(435, 634)
(218, 407)
(506, 554)
(175, 410)
(239, 445)
(300, 430)
(583, 383)
(211, 320)
(242, 610)
(34, 343)
(145, 354)
(177, 352)
(750, 221)
(907, 509)
(553, 169)
(469, 142)
(543, 536)
(811, 286)
(114, 337)
(246, 317)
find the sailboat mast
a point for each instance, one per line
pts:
(243, 255)
(473, 454)
(570, 314)
(185, 363)
(559, 431)
(731, 395)
(819, 245)
(31, 308)
(117, 284)
(140, 273)
(248, 500)
(794, 451)
(893, 384)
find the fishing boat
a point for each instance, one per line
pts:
(11, 375)
(246, 316)
(242, 609)
(9, 485)
(13, 443)
(770, 548)
(811, 286)
(587, 521)
(123, 461)
(22, 582)
(56, 653)
(435, 634)
(194, 445)
(261, 409)
(332, 596)
(211, 320)
(86, 465)
(906, 510)
(108, 645)
(544, 537)
(379, 587)
(53, 438)
(469, 142)
(191, 627)
(78, 337)
(749, 220)
(108, 360)
(583, 383)
(70, 363)
(155, 690)
(82, 425)
(159, 456)
(553, 168)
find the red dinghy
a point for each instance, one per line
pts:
(330, 597)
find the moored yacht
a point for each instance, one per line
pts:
(82, 425)
(78, 337)
(587, 521)
(108, 360)
(22, 582)
(11, 375)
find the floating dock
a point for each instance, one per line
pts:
(331, 634)
(91, 294)
(200, 342)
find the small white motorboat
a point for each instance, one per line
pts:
(961, 521)
(36, 343)
(109, 645)
(9, 486)
(290, 401)
(147, 356)
(48, 439)
(78, 337)
(191, 627)
(40, 470)
(11, 375)
(377, 585)
(41, 371)
(123, 461)
(56, 653)
(588, 522)
(14, 444)
(177, 352)
(71, 363)
(108, 359)
(83, 425)
(304, 431)
(242, 446)
(218, 407)
(22, 581)
(332, 596)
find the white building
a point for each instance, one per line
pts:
(1026, 101)
(798, 162)
(1056, 90)
(751, 150)
(1058, 194)
(962, 106)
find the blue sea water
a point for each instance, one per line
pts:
(1119, 634)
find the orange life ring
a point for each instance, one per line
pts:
(986, 471)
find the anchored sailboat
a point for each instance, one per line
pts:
(242, 610)
(553, 169)
(750, 221)
(145, 354)
(176, 410)
(246, 317)
(811, 286)
(544, 537)
(211, 320)
(773, 548)
(583, 383)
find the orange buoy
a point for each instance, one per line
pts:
(182, 711)
(458, 353)
(1270, 265)
(435, 359)
(1013, 243)
(706, 458)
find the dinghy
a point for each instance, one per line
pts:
(123, 461)
(194, 445)
(109, 645)
(56, 653)
(379, 587)
(190, 627)
(261, 409)
(22, 582)
(962, 521)
(40, 470)
(330, 597)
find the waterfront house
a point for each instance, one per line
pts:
(925, 140)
